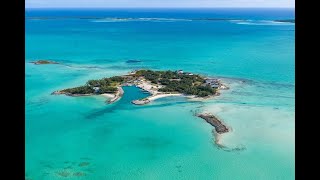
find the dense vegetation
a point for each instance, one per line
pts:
(178, 82)
(185, 83)
(105, 85)
(79, 90)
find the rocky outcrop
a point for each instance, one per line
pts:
(215, 122)
(141, 102)
(44, 62)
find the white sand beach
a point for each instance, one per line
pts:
(158, 96)
(108, 95)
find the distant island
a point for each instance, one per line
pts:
(133, 61)
(38, 62)
(158, 83)
(286, 20)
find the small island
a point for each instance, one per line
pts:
(133, 61)
(285, 20)
(38, 62)
(158, 83)
(219, 126)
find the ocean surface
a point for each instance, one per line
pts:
(85, 138)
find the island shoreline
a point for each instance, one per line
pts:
(144, 79)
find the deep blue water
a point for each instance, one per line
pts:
(237, 13)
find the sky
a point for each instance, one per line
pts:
(156, 3)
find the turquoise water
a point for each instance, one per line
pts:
(85, 138)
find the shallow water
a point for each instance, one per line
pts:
(83, 137)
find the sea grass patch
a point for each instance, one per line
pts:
(82, 164)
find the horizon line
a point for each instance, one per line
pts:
(271, 7)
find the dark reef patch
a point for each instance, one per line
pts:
(63, 173)
(82, 164)
(133, 61)
(117, 67)
(66, 169)
(178, 167)
(79, 174)
(101, 112)
(34, 105)
(236, 149)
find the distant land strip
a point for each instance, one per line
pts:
(151, 19)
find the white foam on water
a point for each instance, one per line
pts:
(261, 22)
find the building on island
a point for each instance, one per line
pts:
(96, 89)
(212, 82)
(180, 71)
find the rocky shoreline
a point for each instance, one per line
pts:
(215, 122)
(220, 127)
(69, 94)
(141, 102)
